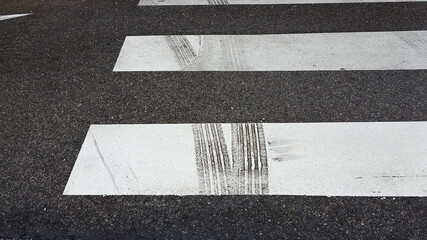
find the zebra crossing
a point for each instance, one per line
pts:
(320, 159)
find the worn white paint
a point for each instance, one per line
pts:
(253, 2)
(327, 159)
(276, 52)
(5, 17)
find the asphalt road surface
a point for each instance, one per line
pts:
(56, 78)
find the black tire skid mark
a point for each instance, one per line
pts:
(247, 173)
(250, 158)
(218, 2)
(199, 161)
(220, 161)
(183, 50)
(263, 158)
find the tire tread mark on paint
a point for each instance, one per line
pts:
(187, 49)
(182, 48)
(105, 164)
(188, 46)
(239, 49)
(219, 161)
(247, 173)
(199, 162)
(264, 160)
(236, 57)
(242, 170)
(193, 54)
(226, 45)
(235, 155)
(255, 138)
(179, 55)
(234, 53)
(238, 52)
(205, 161)
(238, 163)
(217, 2)
(225, 156)
(248, 159)
(212, 160)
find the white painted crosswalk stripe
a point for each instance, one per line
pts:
(403, 50)
(257, 2)
(332, 159)
(320, 159)
(6, 17)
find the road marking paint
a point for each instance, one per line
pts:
(400, 50)
(257, 2)
(5, 17)
(326, 159)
